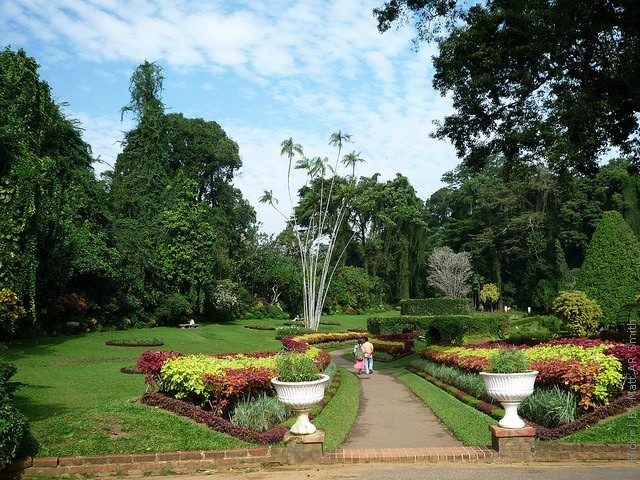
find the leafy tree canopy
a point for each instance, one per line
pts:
(551, 82)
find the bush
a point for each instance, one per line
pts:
(173, 310)
(10, 310)
(550, 407)
(435, 306)
(224, 298)
(296, 367)
(350, 288)
(508, 360)
(282, 332)
(13, 429)
(470, 383)
(13, 424)
(580, 314)
(259, 414)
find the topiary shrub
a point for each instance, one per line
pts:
(610, 273)
(436, 306)
(580, 314)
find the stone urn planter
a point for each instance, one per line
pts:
(510, 389)
(300, 397)
(509, 380)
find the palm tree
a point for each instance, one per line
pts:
(350, 160)
(290, 149)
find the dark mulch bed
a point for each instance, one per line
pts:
(134, 343)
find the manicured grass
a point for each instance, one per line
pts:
(468, 425)
(620, 429)
(125, 428)
(78, 378)
(337, 418)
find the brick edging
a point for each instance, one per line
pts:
(200, 460)
(144, 463)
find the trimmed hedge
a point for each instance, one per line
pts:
(436, 306)
(441, 328)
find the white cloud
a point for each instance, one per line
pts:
(264, 70)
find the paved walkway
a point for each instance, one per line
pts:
(391, 415)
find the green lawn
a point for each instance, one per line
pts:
(78, 402)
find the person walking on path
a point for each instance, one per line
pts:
(368, 356)
(358, 352)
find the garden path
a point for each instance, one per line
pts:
(391, 415)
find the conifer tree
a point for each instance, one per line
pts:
(610, 273)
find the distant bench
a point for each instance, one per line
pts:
(189, 325)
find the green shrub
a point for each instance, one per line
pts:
(13, 424)
(173, 310)
(259, 414)
(296, 367)
(550, 407)
(580, 314)
(442, 328)
(508, 360)
(10, 310)
(13, 429)
(550, 322)
(468, 382)
(610, 273)
(436, 306)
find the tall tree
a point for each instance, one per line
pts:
(535, 81)
(53, 236)
(140, 178)
(316, 224)
(449, 272)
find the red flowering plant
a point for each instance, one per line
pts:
(151, 361)
(233, 385)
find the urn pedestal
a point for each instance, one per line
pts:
(300, 397)
(510, 389)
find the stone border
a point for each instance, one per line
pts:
(145, 463)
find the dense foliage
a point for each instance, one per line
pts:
(580, 314)
(533, 80)
(610, 273)
(442, 328)
(13, 424)
(435, 306)
(166, 237)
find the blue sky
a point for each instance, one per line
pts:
(264, 70)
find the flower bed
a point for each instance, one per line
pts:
(395, 345)
(217, 381)
(219, 423)
(594, 370)
(616, 407)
